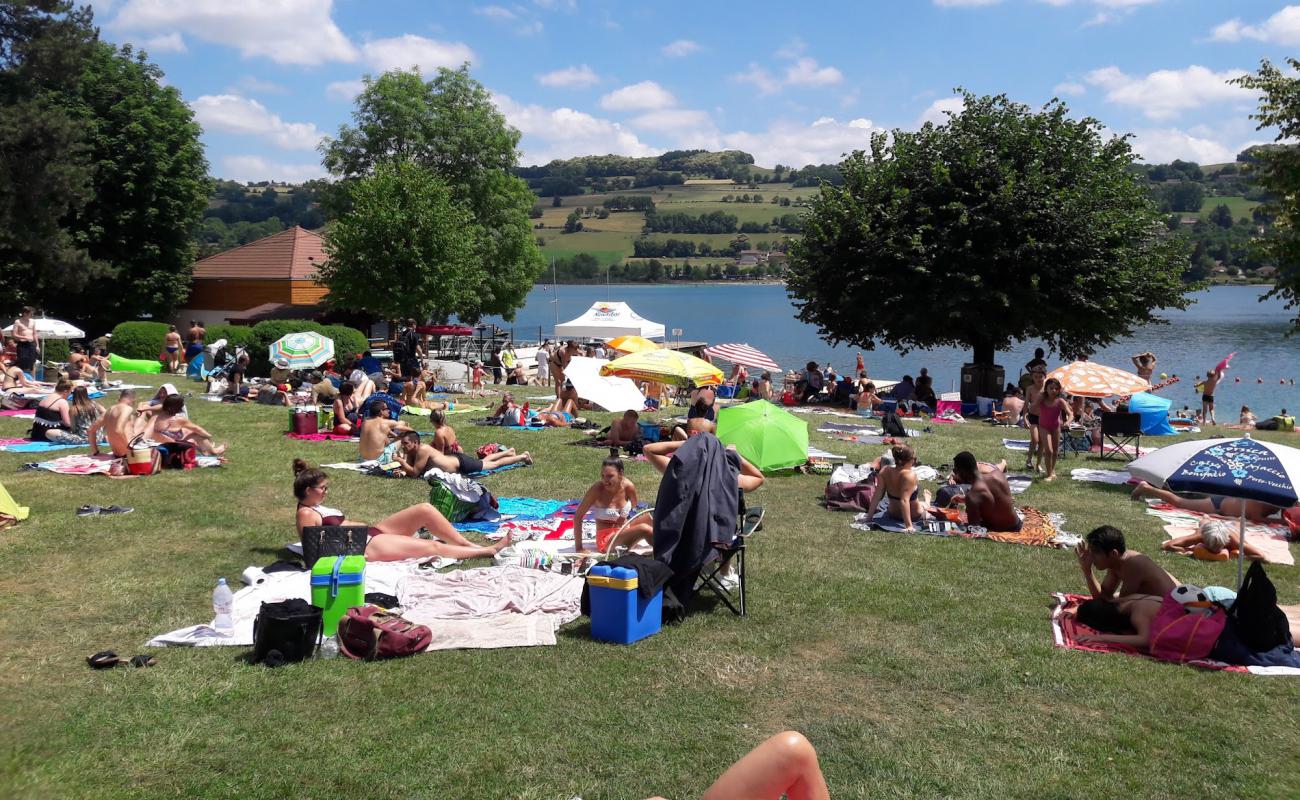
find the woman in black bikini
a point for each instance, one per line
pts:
(53, 418)
(899, 481)
(392, 538)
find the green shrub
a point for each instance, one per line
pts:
(57, 350)
(346, 340)
(138, 339)
(235, 336)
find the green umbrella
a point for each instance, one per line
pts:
(768, 436)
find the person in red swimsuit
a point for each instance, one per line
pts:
(1053, 414)
(392, 538)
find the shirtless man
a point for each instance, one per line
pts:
(1013, 407)
(625, 430)
(77, 361)
(1128, 572)
(172, 344)
(1221, 506)
(988, 500)
(197, 338)
(26, 340)
(118, 424)
(417, 458)
(379, 431)
(1212, 378)
(1033, 398)
(169, 426)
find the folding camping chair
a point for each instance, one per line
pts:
(732, 553)
(1076, 439)
(1119, 431)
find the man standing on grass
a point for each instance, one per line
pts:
(26, 340)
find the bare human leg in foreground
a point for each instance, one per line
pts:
(783, 766)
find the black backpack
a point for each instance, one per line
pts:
(286, 632)
(1254, 616)
(892, 425)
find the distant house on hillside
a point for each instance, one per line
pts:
(271, 278)
(1266, 272)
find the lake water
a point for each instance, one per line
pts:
(1223, 319)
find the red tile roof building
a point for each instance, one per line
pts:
(279, 269)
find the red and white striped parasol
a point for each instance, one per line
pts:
(741, 354)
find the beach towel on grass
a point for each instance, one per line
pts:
(366, 467)
(323, 437)
(1270, 539)
(18, 412)
(1066, 630)
(1038, 530)
(37, 447)
(101, 464)
(1114, 476)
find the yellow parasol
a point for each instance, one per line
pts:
(664, 366)
(632, 344)
(1086, 379)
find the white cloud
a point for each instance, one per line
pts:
(345, 90)
(285, 31)
(805, 72)
(234, 114)
(824, 141)
(760, 77)
(409, 50)
(166, 43)
(937, 112)
(524, 24)
(255, 85)
(642, 96)
(256, 168)
(1069, 88)
(1162, 145)
(558, 5)
(680, 48)
(1281, 28)
(570, 77)
(681, 121)
(551, 133)
(497, 12)
(1166, 93)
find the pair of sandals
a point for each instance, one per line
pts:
(107, 659)
(95, 511)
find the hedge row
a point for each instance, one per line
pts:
(145, 339)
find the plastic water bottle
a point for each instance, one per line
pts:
(330, 647)
(223, 601)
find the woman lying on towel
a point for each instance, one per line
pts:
(1221, 506)
(900, 485)
(613, 497)
(392, 538)
(1214, 540)
(1115, 620)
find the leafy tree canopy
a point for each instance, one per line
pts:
(448, 126)
(1002, 224)
(1277, 169)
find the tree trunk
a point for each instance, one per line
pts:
(984, 352)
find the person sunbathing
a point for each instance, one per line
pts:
(1222, 506)
(906, 502)
(347, 411)
(566, 401)
(444, 436)
(988, 500)
(625, 430)
(119, 425)
(1128, 572)
(552, 419)
(1214, 540)
(785, 765)
(378, 433)
(416, 458)
(392, 538)
(12, 377)
(168, 425)
(613, 497)
(154, 403)
(1115, 619)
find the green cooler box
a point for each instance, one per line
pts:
(337, 584)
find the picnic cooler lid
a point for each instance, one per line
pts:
(606, 577)
(336, 571)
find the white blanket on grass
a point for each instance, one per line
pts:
(1115, 476)
(506, 607)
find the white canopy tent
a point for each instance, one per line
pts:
(612, 394)
(606, 320)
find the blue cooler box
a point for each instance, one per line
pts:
(649, 431)
(619, 613)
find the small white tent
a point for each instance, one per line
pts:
(607, 320)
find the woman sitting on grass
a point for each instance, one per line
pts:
(444, 436)
(347, 411)
(613, 497)
(392, 538)
(901, 488)
(53, 419)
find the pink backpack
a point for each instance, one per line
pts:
(1181, 634)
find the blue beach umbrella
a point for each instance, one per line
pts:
(1245, 469)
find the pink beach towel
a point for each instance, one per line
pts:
(18, 412)
(323, 437)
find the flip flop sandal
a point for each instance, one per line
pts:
(116, 510)
(143, 660)
(89, 511)
(104, 659)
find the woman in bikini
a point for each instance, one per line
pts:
(53, 421)
(1053, 414)
(613, 497)
(1255, 511)
(444, 436)
(392, 538)
(902, 490)
(347, 411)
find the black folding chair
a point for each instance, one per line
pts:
(732, 553)
(1119, 431)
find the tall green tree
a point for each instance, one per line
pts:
(44, 173)
(406, 247)
(1277, 170)
(149, 189)
(449, 126)
(1000, 225)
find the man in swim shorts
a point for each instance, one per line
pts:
(988, 500)
(172, 344)
(118, 424)
(1033, 402)
(1212, 378)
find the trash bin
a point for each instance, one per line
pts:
(982, 380)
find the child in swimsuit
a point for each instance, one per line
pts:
(1052, 410)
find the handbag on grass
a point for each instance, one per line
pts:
(322, 541)
(370, 633)
(285, 632)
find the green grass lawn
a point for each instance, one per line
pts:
(918, 666)
(1239, 206)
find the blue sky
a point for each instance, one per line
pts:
(792, 83)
